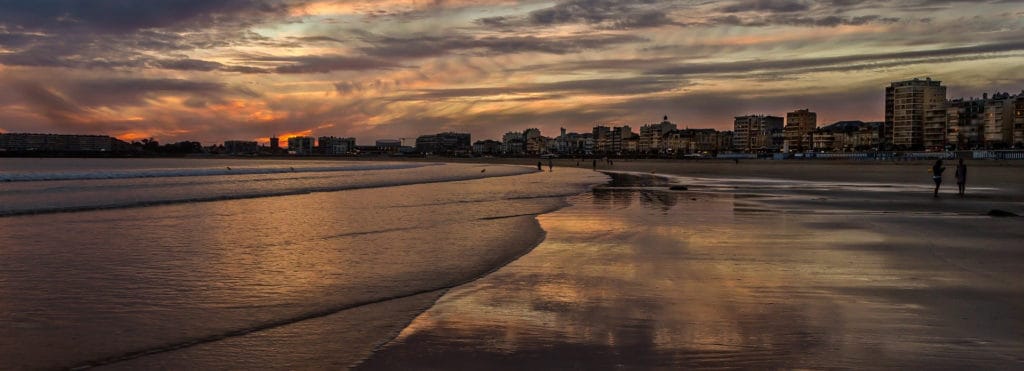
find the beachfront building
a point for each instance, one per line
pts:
(690, 141)
(512, 143)
(388, 145)
(275, 143)
(241, 147)
(329, 145)
(615, 139)
(847, 136)
(799, 124)
(964, 122)
(30, 142)
(916, 111)
(650, 137)
(300, 145)
(998, 121)
(574, 143)
(448, 143)
(487, 147)
(1018, 121)
(754, 133)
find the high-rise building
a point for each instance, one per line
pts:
(799, 124)
(335, 145)
(964, 122)
(651, 134)
(916, 111)
(757, 132)
(275, 143)
(300, 145)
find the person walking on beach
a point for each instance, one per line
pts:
(595, 164)
(937, 170)
(551, 165)
(540, 166)
(961, 176)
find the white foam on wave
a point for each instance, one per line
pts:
(193, 172)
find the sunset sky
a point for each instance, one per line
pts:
(215, 70)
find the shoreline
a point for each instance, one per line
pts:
(641, 277)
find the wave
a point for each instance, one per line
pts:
(223, 197)
(218, 171)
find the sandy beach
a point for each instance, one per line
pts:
(756, 265)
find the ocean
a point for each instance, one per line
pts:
(120, 262)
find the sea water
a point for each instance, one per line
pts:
(196, 263)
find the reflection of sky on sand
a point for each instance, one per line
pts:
(643, 278)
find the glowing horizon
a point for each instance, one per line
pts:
(221, 70)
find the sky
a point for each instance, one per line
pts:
(216, 70)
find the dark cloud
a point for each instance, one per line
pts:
(49, 104)
(187, 64)
(604, 14)
(624, 86)
(116, 16)
(838, 63)
(131, 91)
(431, 46)
(771, 6)
(800, 21)
(324, 63)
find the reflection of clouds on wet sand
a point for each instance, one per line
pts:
(642, 278)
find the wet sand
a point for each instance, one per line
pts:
(748, 273)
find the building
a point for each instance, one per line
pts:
(916, 111)
(964, 122)
(388, 145)
(335, 145)
(799, 124)
(487, 147)
(241, 147)
(275, 144)
(997, 122)
(847, 136)
(29, 142)
(650, 137)
(754, 133)
(512, 143)
(448, 143)
(300, 145)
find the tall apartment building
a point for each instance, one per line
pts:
(799, 124)
(964, 122)
(1018, 120)
(754, 132)
(300, 145)
(916, 111)
(651, 134)
(30, 142)
(335, 145)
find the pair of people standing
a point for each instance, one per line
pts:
(961, 176)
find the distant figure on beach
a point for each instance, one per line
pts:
(937, 170)
(577, 163)
(610, 162)
(595, 164)
(551, 165)
(540, 166)
(736, 160)
(961, 176)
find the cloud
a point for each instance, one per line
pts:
(422, 46)
(324, 63)
(113, 16)
(622, 86)
(837, 63)
(603, 14)
(770, 6)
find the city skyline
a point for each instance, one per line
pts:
(234, 69)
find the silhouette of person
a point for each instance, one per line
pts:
(551, 165)
(539, 166)
(937, 170)
(595, 164)
(961, 176)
